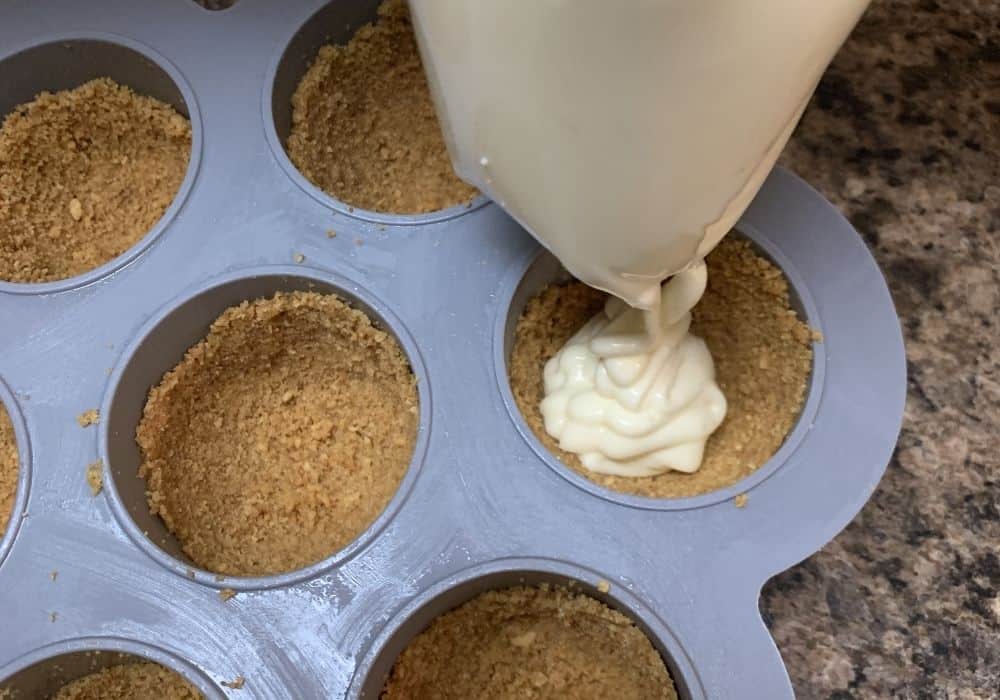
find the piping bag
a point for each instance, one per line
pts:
(627, 137)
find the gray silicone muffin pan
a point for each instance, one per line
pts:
(483, 504)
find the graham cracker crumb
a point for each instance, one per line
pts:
(89, 417)
(235, 684)
(740, 501)
(129, 681)
(95, 477)
(524, 640)
(331, 234)
(227, 594)
(817, 335)
(603, 586)
(53, 575)
(364, 128)
(84, 174)
(8, 469)
(281, 436)
(530, 642)
(763, 360)
(299, 258)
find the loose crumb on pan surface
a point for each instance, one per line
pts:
(84, 174)
(236, 684)
(762, 353)
(89, 417)
(281, 436)
(8, 469)
(129, 681)
(95, 477)
(363, 123)
(530, 642)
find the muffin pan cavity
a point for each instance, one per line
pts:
(242, 554)
(398, 171)
(45, 672)
(108, 149)
(766, 363)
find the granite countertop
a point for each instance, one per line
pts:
(903, 135)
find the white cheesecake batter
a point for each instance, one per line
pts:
(633, 392)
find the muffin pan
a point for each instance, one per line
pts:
(483, 504)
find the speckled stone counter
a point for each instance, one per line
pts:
(903, 135)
